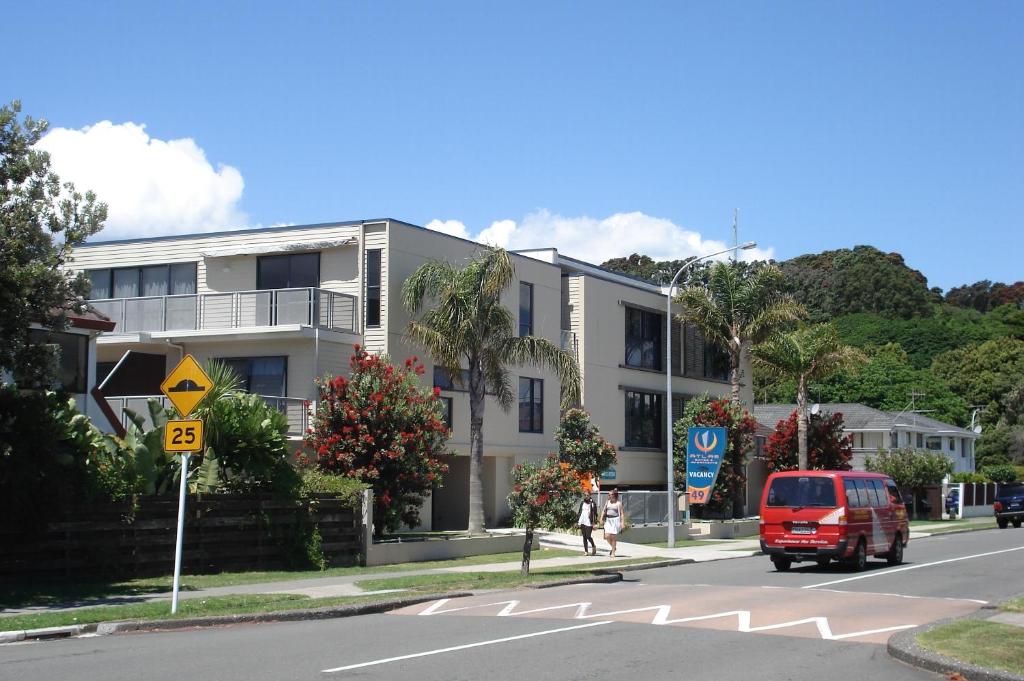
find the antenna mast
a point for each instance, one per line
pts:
(735, 234)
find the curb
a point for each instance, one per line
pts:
(964, 530)
(903, 646)
(653, 566)
(46, 633)
(598, 578)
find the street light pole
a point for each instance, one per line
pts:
(670, 486)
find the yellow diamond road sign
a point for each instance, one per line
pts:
(186, 386)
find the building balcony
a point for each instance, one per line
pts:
(295, 409)
(312, 307)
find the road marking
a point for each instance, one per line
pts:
(879, 573)
(883, 593)
(463, 647)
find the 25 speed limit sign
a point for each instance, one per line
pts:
(183, 435)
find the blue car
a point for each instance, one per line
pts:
(953, 502)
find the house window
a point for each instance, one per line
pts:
(643, 339)
(444, 380)
(446, 411)
(920, 440)
(934, 444)
(373, 287)
(894, 440)
(135, 282)
(643, 419)
(260, 375)
(531, 405)
(952, 444)
(525, 309)
(295, 270)
(71, 355)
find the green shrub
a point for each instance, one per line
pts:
(968, 478)
(315, 481)
(1001, 473)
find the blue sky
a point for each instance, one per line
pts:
(606, 127)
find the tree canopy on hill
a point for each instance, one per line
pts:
(984, 295)
(863, 279)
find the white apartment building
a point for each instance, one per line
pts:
(873, 429)
(285, 305)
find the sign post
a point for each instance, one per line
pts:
(185, 387)
(705, 449)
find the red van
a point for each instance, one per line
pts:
(832, 515)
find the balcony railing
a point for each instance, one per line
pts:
(232, 310)
(295, 409)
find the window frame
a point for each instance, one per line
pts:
(80, 386)
(529, 294)
(654, 407)
(638, 342)
(373, 292)
(248, 378)
(260, 259)
(139, 287)
(535, 401)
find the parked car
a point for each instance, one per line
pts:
(823, 516)
(1009, 505)
(953, 502)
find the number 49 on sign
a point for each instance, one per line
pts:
(183, 435)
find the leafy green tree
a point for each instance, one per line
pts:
(1002, 473)
(727, 494)
(41, 222)
(581, 445)
(545, 494)
(911, 469)
(862, 279)
(382, 427)
(470, 328)
(984, 295)
(738, 307)
(658, 272)
(984, 374)
(809, 353)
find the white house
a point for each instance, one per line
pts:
(873, 429)
(285, 305)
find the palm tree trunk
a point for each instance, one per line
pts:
(801, 424)
(734, 373)
(475, 524)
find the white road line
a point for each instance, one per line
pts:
(462, 647)
(882, 593)
(882, 573)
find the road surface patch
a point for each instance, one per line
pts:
(826, 615)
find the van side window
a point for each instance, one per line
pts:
(880, 498)
(894, 492)
(852, 497)
(862, 492)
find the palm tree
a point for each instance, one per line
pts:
(810, 353)
(470, 328)
(740, 305)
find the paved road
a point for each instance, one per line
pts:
(732, 620)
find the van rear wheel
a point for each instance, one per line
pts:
(782, 564)
(823, 563)
(1016, 522)
(859, 560)
(1003, 523)
(895, 555)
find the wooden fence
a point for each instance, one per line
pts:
(222, 533)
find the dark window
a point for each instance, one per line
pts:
(531, 405)
(373, 277)
(445, 381)
(644, 414)
(952, 444)
(296, 270)
(151, 280)
(805, 491)
(894, 440)
(876, 493)
(893, 492)
(525, 309)
(920, 440)
(446, 409)
(71, 355)
(643, 339)
(261, 375)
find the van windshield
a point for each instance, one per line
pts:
(806, 491)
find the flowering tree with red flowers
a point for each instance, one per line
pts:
(545, 494)
(381, 427)
(727, 494)
(828, 449)
(581, 445)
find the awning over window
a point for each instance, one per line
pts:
(265, 249)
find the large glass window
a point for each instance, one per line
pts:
(261, 375)
(643, 339)
(373, 277)
(644, 415)
(525, 309)
(134, 282)
(531, 405)
(295, 270)
(72, 358)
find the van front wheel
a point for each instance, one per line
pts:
(895, 555)
(859, 560)
(782, 564)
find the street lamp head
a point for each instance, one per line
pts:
(747, 246)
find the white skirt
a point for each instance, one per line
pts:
(612, 525)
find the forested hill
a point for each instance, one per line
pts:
(962, 349)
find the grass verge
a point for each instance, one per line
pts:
(1013, 605)
(161, 610)
(986, 644)
(81, 594)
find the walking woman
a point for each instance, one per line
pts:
(588, 518)
(611, 516)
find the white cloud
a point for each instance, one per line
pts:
(598, 239)
(151, 186)
(453, 227)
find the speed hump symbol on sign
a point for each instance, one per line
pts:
(183, 435)
(186, 385)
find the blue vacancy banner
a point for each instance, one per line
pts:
(705, 449)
